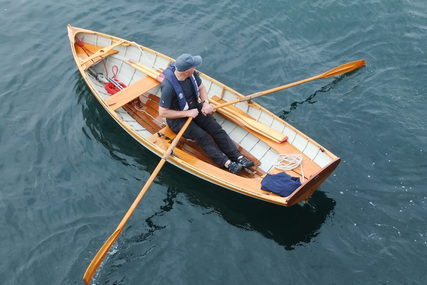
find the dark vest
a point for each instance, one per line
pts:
(170, 76)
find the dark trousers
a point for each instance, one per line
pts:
(206, 131)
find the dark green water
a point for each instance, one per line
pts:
(68, 173)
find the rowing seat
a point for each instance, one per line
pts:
(167, 133)
(131, 92)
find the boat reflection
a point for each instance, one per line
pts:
(289, 227)
(310, 99)
(103, 128)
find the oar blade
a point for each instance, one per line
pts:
(100, 255)
(350, 66)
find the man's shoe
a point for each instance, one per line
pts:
(234, 167)
(246, 163)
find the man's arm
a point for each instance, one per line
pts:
(206, 108)
(174, 114)
(202, 92)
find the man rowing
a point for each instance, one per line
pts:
(183, 96)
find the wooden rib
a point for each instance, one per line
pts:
(222, 93)
(131, 92)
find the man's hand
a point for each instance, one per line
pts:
(207, 108)
(192, 113)
(175, 114)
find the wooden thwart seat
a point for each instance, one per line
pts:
(167, 132)
(131, 92)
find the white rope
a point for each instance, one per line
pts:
(289, 162)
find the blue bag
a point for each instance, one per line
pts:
(281, 183)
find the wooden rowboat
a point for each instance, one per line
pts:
(259, 134)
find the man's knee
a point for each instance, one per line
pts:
(196, 133)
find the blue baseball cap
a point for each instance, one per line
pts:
(186, 61)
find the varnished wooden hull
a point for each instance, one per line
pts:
(96, 53)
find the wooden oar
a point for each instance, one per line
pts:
(99, 257)
(251, 123)
(350, 66)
